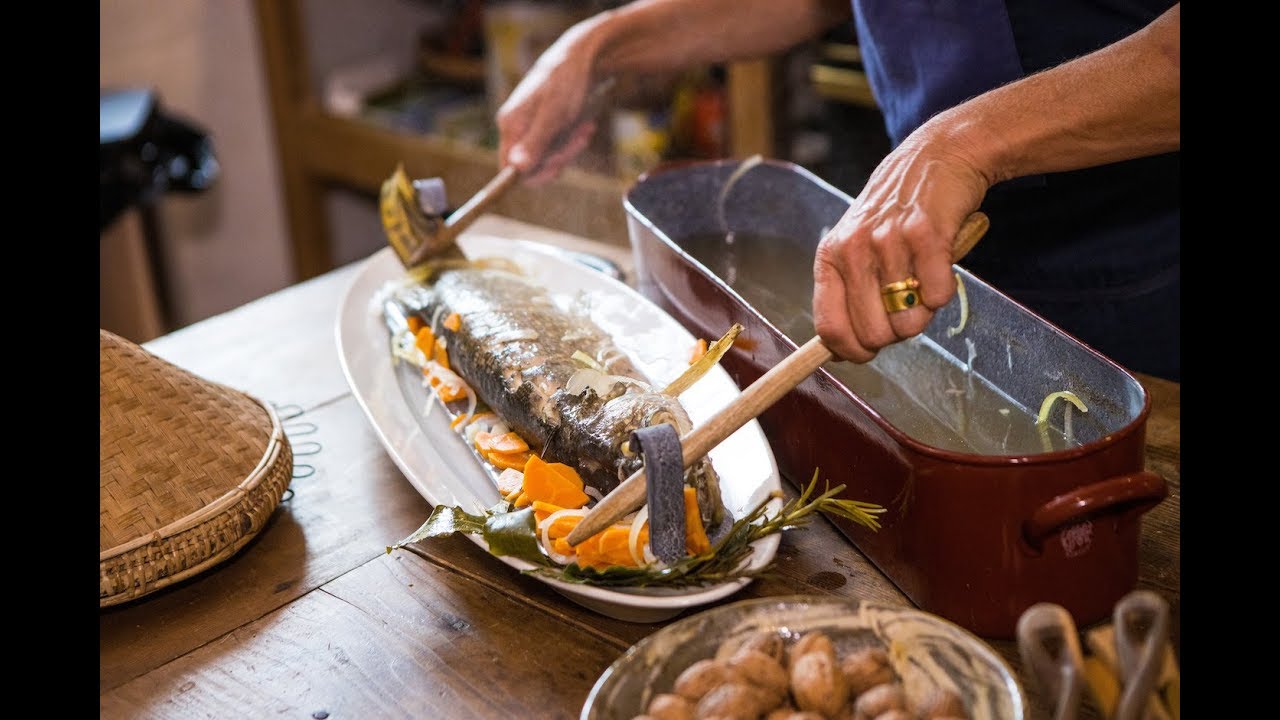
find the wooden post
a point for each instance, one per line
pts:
(752, 110)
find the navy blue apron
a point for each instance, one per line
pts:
(1094, 251)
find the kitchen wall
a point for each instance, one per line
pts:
(228, 245)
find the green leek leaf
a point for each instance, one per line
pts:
(515, 534)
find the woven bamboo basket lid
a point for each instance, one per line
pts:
(190, 471)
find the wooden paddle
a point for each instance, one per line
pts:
(757, 398)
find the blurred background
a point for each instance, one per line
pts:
(243, 141)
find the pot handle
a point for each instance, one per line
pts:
(1143, 488)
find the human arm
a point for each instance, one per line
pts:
(642, 36)
(1117, 103)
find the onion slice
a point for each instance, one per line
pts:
(964, 309)
(1042, 420)
(741, 170)
(588, 361)
(546, 529)
(601, 383)
(637, 553)
(1047, 404)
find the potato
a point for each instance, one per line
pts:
(699, 678)
(809, 642)
(817, 683)
(767, 642)
(669, 706)
(879, 700)
(735, 700)
(865, 668)
(939, 704)
(760, 670)
(784, 711)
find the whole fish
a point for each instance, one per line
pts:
(523, 356)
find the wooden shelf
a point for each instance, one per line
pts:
(319, 151)
(839, 75)
(469, 71)
(362, 155)
(842, 84)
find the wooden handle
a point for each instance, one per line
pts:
(757, 398)
(488, 195)
(1141, 659)
(1049, 644)
(974, 227)
(698, 442)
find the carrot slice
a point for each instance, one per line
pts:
(513, 461)
(699, 349)
(588, 552)
(425, 340)
(555, 483)
(508, 442)
(453, 322)
(563, 547)
(695, 535)
(542, 510)
(563, 524)
(608, 547)
(442, 354)
(449, 392)
(415, 324)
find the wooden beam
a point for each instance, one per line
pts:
(284, 53)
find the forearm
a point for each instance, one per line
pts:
(662, 35)
(1118, 103)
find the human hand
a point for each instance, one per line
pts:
(544, 106)
(902, 225)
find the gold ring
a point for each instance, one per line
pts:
(895, 287)
(903, 299)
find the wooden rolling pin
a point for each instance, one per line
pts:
(757, 398)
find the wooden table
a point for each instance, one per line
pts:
(314, 619)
